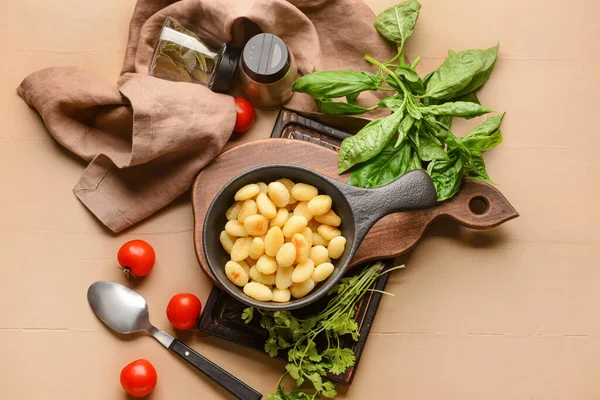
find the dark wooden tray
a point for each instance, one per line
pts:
(222, 317)
(299, 140)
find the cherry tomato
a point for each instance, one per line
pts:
(139, 378)
(245, 115)
(136, 258)
(183, 310)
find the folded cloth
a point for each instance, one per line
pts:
(146, 140)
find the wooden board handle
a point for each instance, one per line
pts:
(477, 205)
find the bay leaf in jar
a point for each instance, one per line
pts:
(183, 58)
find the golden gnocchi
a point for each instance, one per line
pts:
(302, 210)
(247, 192)
(258, 291)
(241, 249)
(263, 187)
(234, 211)
(226, 241)
(256, 225)
(329, 218)
(336, 247)
(286, 255)
(281, 295)
(236, 273)
(281, 238)
(322, 272)
(280, 219)
(266, 206)
(295, 224)
(319, 205)
(279, 194)
(304, 192)
(248, 208)
(257, 248)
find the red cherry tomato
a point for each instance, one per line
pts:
(183, 310)
(245, 115)
(136, 258)
(139, 378)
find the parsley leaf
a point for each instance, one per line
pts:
(308, 362)
(267, 321)
(271, 347)
(329, 389)
(344, 325)
(248, 314)
(342, 359)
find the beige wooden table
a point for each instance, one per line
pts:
(511, 313)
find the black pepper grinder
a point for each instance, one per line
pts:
(268, 71)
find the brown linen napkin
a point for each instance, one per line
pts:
(146, 140)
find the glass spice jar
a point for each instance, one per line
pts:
(186, 53)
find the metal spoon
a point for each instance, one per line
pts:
(125, 311)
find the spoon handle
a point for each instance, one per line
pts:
(236, 387)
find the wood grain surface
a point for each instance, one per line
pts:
(509, 313)
(392, 236)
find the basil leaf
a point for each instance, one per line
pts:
(413, 109)
(454, 74)
(428, 148)
(476, 168)
(489, 61)
(415, 162)
(408, 73)
(334, 84)
(351, 98)
(439, 132)
(341, 108)
(428, 77)
(403, 129)
(397, 23)
(413, 136)
(392, 82)
(386, 167)
(446, 120)
(394, 103)
(411, 79)
(469, 97)
(447, 177)
(457, 109)
(437, 129)
(369, 142)
(485, 136)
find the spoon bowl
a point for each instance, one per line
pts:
(125, 311)
(120, 308)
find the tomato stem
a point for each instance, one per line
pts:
(127, 272)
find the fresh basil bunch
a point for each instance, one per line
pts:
(417, 132)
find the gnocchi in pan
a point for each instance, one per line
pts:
(281, 238)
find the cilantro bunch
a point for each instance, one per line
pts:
(307, 362)
(417, 133)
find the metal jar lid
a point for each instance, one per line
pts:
(225, 70)
(266, 58)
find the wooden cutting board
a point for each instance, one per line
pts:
(477, 205)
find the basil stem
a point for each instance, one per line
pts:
(389, 72)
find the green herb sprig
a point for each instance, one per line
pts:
(417, 133)
(307, 362)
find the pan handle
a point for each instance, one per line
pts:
(412, 191)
